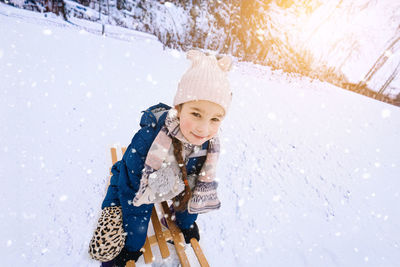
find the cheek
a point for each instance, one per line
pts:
(186, 126)
(214, 129)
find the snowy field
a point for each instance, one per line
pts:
(309, 174)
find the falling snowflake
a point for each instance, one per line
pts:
(271, 116)
(175, 54)
(385, 113)
(366, 175)
(276, 198)
(47, 32)
(388, 53)
(260, 32)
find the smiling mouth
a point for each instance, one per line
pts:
(197, 136)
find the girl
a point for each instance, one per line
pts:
(173, 156)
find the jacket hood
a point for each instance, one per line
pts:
(152, 114)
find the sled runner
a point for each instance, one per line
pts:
(161, 236)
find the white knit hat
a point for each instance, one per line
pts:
(206, 79)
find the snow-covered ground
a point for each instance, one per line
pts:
(309, 174)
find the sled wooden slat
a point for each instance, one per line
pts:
(147, 253)
(175, 232)
(153, 238)
(130, 264)
(113, 157)
(199, 253)
(162, 244)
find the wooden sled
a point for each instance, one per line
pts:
(161, 236)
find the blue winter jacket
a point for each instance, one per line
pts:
(126, 174)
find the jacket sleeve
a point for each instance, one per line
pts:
(135, 219)
(132, 165)
(111, 198)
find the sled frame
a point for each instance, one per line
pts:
(160, 238)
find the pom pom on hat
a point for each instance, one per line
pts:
(225, 63)
(206, 79)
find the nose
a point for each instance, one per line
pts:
(202, 128)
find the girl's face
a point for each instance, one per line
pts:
(200, 120)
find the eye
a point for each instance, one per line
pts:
(195, 114)
(215, 119)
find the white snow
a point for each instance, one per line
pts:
(309, 174)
